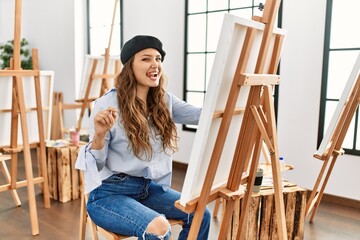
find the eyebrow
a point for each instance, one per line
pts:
(150, 55)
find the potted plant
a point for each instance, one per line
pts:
(7, 50)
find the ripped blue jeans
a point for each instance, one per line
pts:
(126, 205)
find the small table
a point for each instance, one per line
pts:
(64, 180)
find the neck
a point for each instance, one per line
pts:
(142, 93)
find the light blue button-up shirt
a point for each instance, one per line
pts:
(117, 155)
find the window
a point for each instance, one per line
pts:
(100, 14)
(203, 22)
(341, 48)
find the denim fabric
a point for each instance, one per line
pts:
(126, 205)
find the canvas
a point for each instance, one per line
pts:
(326, 142)
(46, 84)
(96, 84)
(230, 43)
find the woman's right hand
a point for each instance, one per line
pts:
(103, 122)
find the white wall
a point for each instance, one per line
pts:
(50, 26)
(299, 100)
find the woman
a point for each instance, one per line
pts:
(128, 162)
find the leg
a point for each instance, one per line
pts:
(110, 209)
(163, 202)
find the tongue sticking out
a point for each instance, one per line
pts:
(152, 75)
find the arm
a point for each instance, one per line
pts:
(183, 112)
(91, 157)
(101, 120)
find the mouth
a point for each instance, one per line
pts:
(153, 75)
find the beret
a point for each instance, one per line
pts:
(139, 43)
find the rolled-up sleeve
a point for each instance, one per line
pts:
(183, 112)
(93, 162)
(99, 156)
(86, 162)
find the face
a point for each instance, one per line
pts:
(147, 67)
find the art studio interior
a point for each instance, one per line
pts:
(276, 150)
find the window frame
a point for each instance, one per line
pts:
(88, 17)
(186, 53)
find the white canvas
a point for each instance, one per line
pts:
(96, 85)
(326, 141)
(227, 54)
(46, 85)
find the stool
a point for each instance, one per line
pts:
(84, 218)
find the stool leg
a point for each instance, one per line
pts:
(93, 227)
(82, 218)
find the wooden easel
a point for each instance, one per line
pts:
(258, 125)
(334, 147)
(19, 113)
(105, 86)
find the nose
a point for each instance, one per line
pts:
(154, 64)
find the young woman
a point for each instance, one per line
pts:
(128, 162)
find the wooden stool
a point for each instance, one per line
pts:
(84, 219)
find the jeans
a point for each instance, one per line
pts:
(126, 205)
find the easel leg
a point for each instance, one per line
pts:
(31, 192)
(27, 159)
(279, 199)
(195, 225)
(314, 202)
(14, 134)
(241, 234)
(311, 201)
(14, 193)
(42, 147)
(226, 219)
(277, 181)
(217, 206)
(44, 174)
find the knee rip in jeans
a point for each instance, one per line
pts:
(159, 227)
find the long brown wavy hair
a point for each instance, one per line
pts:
(137, 118)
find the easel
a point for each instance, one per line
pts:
(258, 125)
(105, 86)
(334, 147)
(19, 110)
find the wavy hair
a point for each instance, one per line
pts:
(137, 118)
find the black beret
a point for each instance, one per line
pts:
(138, 43)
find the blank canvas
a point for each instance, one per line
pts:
(96, 84)
(46, 85)
(226, 58)
(326, 141)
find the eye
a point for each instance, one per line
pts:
(158, 59)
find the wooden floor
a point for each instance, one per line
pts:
(61, 221)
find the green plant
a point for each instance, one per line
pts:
(7, 50)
